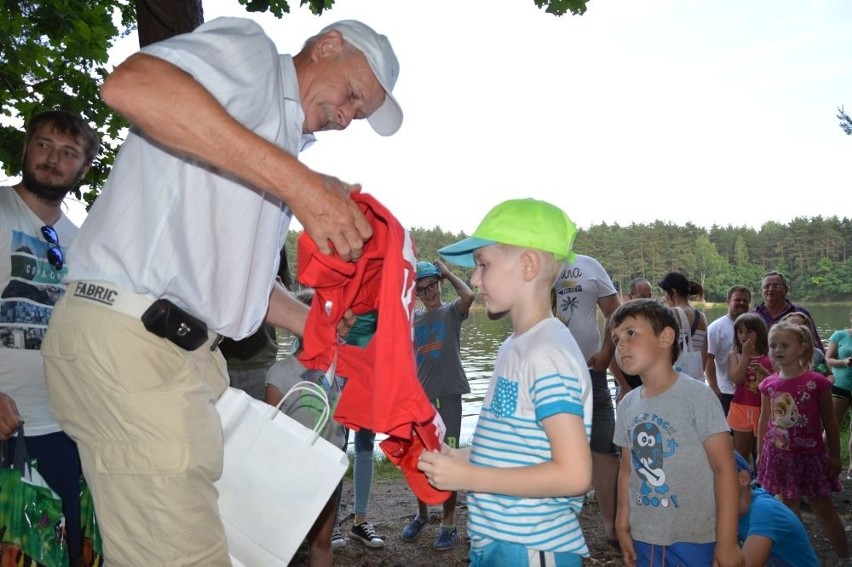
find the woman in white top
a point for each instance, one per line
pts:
(676, 290)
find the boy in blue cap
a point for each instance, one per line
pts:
(529, 463)
(770, 533)
(437, 345)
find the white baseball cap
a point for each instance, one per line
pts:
(387, 119)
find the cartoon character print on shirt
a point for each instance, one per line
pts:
(566, 300)
(785, 414)
(34, 288)
(431, 339)
(648, 453)
(753, 379)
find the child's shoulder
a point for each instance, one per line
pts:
(548, 342)
(692, 386)
(814, 376)
(549, 334)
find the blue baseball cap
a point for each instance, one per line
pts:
(426, 269)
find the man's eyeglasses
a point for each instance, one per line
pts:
(426, 288)
(54, 253)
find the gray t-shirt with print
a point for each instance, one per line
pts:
(671, 482)
(437, 345)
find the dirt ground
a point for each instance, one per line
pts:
(392, 505)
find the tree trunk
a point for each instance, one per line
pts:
(161, 19)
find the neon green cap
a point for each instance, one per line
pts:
(526, 223)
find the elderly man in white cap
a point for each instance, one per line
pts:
(182, 248)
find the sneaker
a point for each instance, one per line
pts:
(337, 539)
(446, 539)
(413, 529)
(367, 534)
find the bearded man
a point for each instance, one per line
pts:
(34, 235)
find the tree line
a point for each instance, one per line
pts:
(814, 254)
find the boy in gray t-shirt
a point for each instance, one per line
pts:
(677, 494)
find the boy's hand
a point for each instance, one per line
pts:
(728, 556)
(442, 268)
(346, 323)
(447, 470)
(625, 542)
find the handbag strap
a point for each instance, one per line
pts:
(20, 461)
(317, 391)
(695, 319)
(684, 323)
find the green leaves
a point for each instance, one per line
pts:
(560, 7)
(281, 7)
(55, 54)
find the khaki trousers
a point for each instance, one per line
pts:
(142, 412)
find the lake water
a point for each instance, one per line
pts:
(482, 337)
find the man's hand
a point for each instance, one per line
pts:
(330, 217)
(600, 361)
(10, 419)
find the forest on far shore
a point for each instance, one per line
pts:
(815, 254)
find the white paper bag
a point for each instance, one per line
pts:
(276, 478)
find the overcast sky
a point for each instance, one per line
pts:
(702, 111)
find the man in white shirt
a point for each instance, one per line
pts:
(581, 288)
(34, 236)
(186, 237)
(720, 343)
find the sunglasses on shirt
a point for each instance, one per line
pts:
(54, 252)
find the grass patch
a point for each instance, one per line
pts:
(383, 469)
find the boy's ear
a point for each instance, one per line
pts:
(667, 337)
(530, 264)
(744, 478)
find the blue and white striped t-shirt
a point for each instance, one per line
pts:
(538, 374)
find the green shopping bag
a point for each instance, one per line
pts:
(93, 550)
(32, 527)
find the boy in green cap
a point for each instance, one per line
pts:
(529, 464)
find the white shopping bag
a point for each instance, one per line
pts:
(276, 478)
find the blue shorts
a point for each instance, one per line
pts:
(680, 554)
(504, 554)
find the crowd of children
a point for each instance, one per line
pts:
(696, 487)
